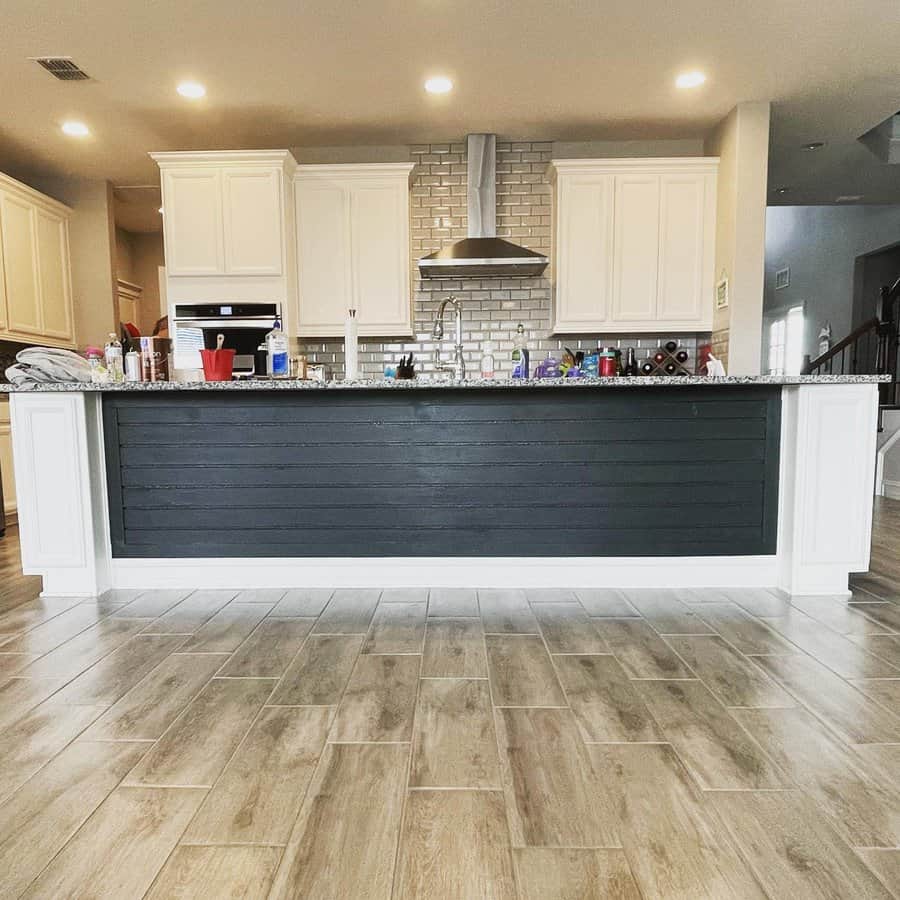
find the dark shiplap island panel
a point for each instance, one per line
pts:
(663, 472)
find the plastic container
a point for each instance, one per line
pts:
(487, 360)
(132, 366)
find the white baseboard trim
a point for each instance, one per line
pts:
(890, 489)
(616, 572)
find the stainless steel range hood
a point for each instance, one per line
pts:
(482, 254)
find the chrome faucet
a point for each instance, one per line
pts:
(437, 332)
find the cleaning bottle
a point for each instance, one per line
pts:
(487, 360)
(277, 347)
(520, 354)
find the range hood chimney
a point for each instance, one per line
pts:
(482, 254)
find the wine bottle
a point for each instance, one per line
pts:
(647, 368)
(659, 357)
(671, 368)
(682, 356)
(631, 366)
(671, 346)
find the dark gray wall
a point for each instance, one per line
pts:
(549, 472)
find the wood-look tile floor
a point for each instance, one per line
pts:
(455, 745)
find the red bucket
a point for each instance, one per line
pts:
(218, 365)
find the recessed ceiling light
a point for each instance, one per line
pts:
(782, 190)
(814, 145)
(160, 210)
(690, 80)
(193, 90)
(439, 85)
(75, 129)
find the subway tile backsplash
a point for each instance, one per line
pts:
(492, 307)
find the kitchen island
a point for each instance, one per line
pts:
(619, 482)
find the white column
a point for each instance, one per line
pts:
(61, 490)
(828, 440)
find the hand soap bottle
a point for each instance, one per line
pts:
(520, 354)
(277, 347)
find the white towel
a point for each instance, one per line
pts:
(45, 365)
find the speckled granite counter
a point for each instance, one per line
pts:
(470, 384)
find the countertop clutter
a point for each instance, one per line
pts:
(379, 384)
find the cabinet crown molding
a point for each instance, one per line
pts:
(655, 164)
(170, 158)
(351, 170)
(11, 186)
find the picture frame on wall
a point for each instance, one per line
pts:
(782, 278)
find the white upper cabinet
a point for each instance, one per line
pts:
(35, 268)
(353, 248)
(224, 212)
(635, 244)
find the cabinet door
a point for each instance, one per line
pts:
(682, 295)
(4, 318)
(379, 229)
(17, 220)
(323, 256)
(192, 221)
(253, 221)
(6, 460)
(636, 248)
(53, 276)
(584, 240)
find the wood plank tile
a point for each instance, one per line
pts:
(865, 814)
(506, 612)
(108, 680)
(666, 613)
(32, 613)
(792, 850)
(199, 873)
(744, 632)
(848, 712)
(151, 706)
(191, 613)
(886, 865)
(448, 602)
(881, 762)
(272, 596)
(38, 820)
(844, 657)
(674, 843)
(227, 629)
(405, 595)
(550, 595)
(454, 648)
(32, 741)
(303, 602)
(605, 602)
(195, 748)
(269, 649)
(348, 612)
(151, 604)
(553, 796)
(258, 796)
(641, 652)
(352, 812)
(605, 703)
(397, 628)
(319, 672)
(885, 691)
(13, 663)
(716, 750)
(119, 850)
(521, 673)
(567, 629)
(729, 675)
(884, 646)
(56, 631)
(557, 874)
(887, 615)
(838, 615)
(759, 602)
(379, 701)
(454, 846)
(453, 742)
(20, 695)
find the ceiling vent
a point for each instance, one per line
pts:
(61, 67)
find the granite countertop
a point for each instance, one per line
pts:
(470, 384)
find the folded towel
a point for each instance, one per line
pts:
(45, 365)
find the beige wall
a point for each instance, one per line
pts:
(741, 141)
(146, 258)
(124, 255)
(92, 245)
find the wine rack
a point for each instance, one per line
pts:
(668, 360)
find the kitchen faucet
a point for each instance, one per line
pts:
(437, 332)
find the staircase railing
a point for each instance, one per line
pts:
(870, 349)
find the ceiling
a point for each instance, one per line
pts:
(335, 72)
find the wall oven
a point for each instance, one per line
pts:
(244, 325)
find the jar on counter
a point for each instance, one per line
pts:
(608, 362)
